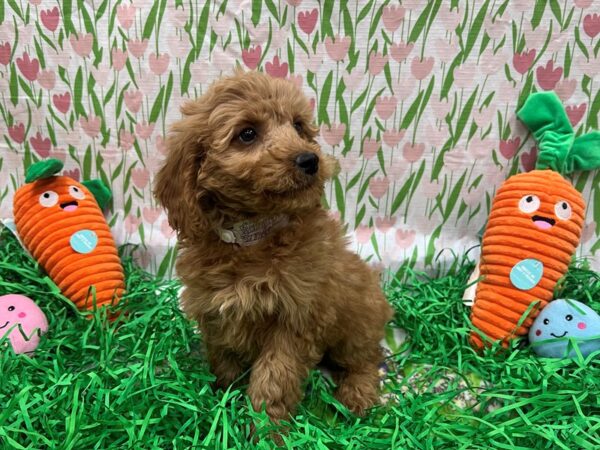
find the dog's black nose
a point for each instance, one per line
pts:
(308, 162)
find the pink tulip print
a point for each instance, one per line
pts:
(126, 15)
(251, 57)
(377, 62)
(508, 148)
(397, 169)
(528, 159)
(337, 48)
(307, 20)
(384, 224)
(137, 47)
(401, 50)
(151, 215)
(140, 177)
(91, 125)
(370, 148)
(100, 75)
(393, 137)
(411, 97)
(378, 186)
(363, 234)
(576, 113)
(421, 68)
(133, 100)
(591, 25)
(5, 51)
(119, 59)
(144, 130)
(565, 89)
(82, 44)
(353, 80)
(481, 148)
(17, 133)
(392, 17)
(41, 144)
(430, 189)
(58, 153)
(50, 18)
(159, 63)
(456, 160)
(413, 152)
(405, 238)
(46, 79)
(583, 4)
(62, 102)
(385, 107)
(445, 50)
(522, 62)
(29, 67)
(126, 139)
(347, 164)
(277, 69)
(548, 76)
(131, 223)
(333, 134)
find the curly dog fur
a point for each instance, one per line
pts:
(281, 306)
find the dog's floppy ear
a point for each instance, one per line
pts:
(176, 186)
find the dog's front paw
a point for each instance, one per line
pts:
(358, 399)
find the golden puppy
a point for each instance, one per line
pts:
(266, 271)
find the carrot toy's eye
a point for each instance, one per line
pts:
(76, 192)
(563, 210)
(529, 203)
(48, 199)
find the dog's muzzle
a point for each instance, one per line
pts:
(308, 163)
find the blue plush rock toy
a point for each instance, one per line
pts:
(561, 325)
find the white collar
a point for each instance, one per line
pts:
(250, 232)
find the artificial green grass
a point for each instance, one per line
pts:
(142, 382)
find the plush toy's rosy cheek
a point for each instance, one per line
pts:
(581, 325)
(538, 332)
(22, 315)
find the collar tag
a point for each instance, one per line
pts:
(250, 232)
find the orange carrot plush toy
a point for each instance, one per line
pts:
(534, 226)
(61, 224)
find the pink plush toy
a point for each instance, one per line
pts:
(20, 316)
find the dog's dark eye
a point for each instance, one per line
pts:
(248, 135)
(298, 127)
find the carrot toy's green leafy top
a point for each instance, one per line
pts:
(559, 149)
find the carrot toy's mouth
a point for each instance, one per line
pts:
(5, 325)
(69, 206)
(543, 222)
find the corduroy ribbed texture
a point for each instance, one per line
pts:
(46, 232)
(510, 237)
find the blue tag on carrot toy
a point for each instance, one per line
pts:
(526, 274)
(84, 241)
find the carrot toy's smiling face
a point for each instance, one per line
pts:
(539, 204)
(58, 194)
(545, 215)
(67, 199)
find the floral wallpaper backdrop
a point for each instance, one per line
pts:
(416, 98)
